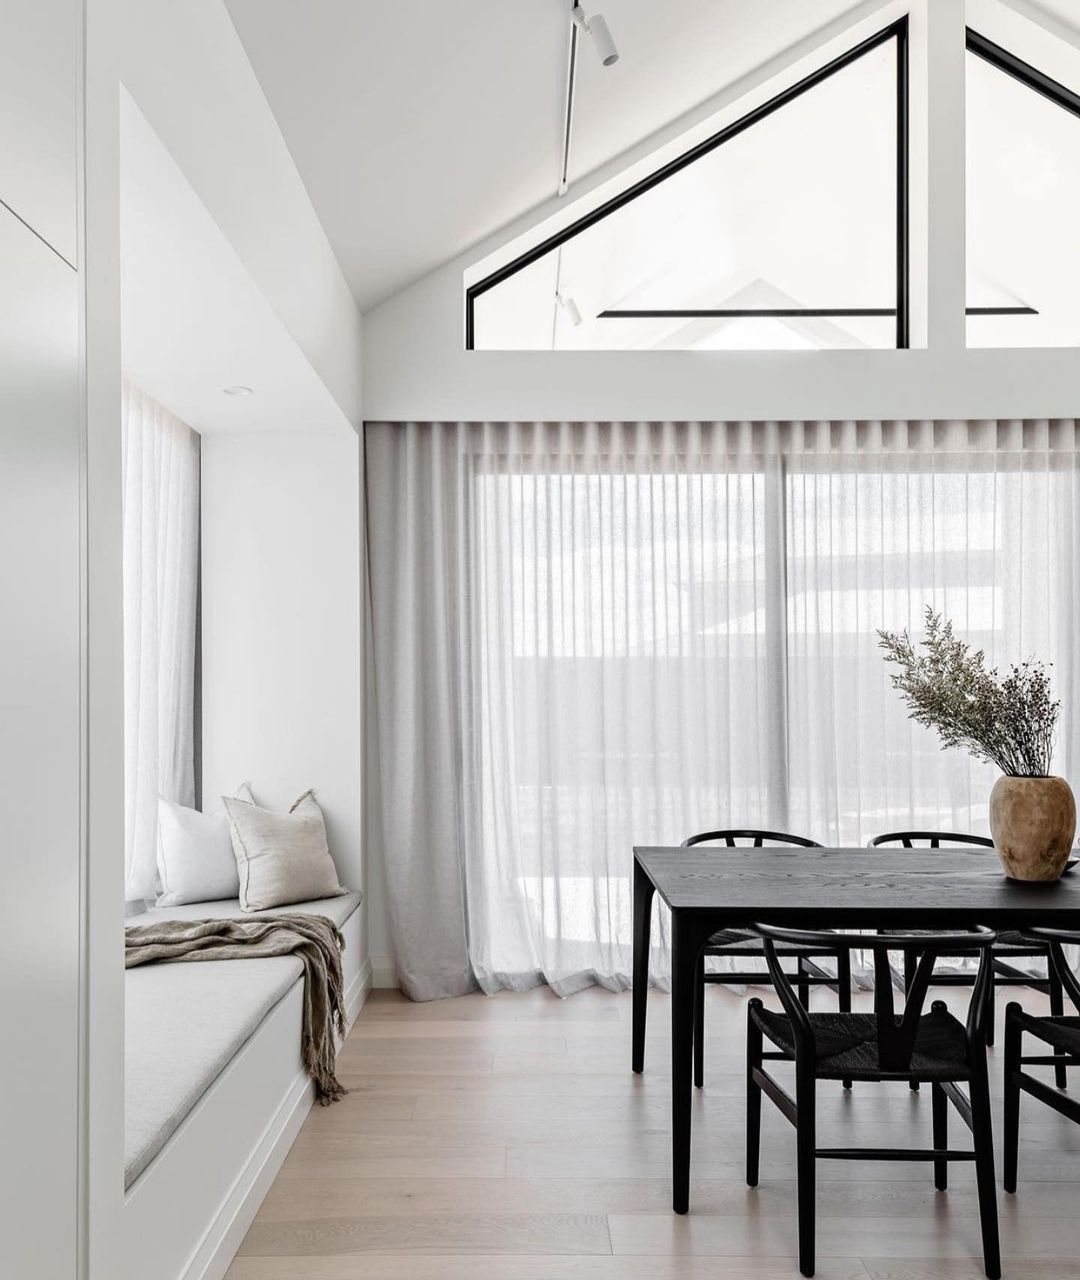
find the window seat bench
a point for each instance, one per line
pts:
(199, 1037)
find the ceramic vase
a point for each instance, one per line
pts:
(1033, 822)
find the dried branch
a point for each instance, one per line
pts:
(1008, 720)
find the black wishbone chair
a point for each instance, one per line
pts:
(738, 942)
(1010, 946)
(935, 1047)
(1061, 1033)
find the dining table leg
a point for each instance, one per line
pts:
(688, 937)
(643, 900)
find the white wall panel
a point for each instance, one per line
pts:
(38, 84)
(281, 625)
(39, 755)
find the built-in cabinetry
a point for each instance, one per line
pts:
(40, 639)
(39, 83)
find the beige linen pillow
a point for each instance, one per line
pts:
(281, 857)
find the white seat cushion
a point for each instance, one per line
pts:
(336, 909)
(183, 1025)
(185, 1022)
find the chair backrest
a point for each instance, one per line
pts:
(896, 1033)
(1054, 940)
(734, 838)
(928, 839)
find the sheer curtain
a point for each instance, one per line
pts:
(161, 562)
(587, 636)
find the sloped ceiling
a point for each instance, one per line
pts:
(193, 319)
(422, 126)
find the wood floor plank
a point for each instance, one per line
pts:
(331, 1197)
(935, 1234)
(470, 1267)
(970, 1269)
(474, 1233)
(355, 1161)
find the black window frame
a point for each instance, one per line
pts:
(897, 30)
(1004, 60)
(1061, 95)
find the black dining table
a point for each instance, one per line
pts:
(707, 889)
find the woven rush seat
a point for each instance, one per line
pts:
(1063, 1033)
(847, 1044)
(1012, 941)
(1007, 940)
(728, 940)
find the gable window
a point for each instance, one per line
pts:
(786, 229)
(1023, 183)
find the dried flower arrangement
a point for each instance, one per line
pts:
(1008, 720)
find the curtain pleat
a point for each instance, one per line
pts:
(587, 636)
(161, 563)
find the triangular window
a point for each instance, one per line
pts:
(787, 229)
(1023, 189)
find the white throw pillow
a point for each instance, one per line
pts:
(194, 854)
(281, 857)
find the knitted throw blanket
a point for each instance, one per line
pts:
(315, 939)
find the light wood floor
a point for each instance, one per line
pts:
(506, 1138)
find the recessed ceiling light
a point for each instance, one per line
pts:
(238, 391)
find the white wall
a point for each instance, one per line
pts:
(39, 56)
(42, 641)
(281, 625)
(40, 752)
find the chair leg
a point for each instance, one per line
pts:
(940, 1106)
(699, 1024)
(983, 1135)
(911, 963)
(1013, 1037)
(1057, 1010)
(843, 988)
(806, 1162)
(753, 1097)
(803, 979)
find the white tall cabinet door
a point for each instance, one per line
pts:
(39, 49)
(40, 435)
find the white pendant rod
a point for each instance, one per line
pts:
(568, 111)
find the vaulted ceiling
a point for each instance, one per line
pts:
(422, 126)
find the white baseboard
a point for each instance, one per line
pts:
(358, 992)
(383, 973)
(218, 1248)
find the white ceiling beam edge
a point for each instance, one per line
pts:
(1041, 38)
(942, 27)
(1048, 22)
(706, 118)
